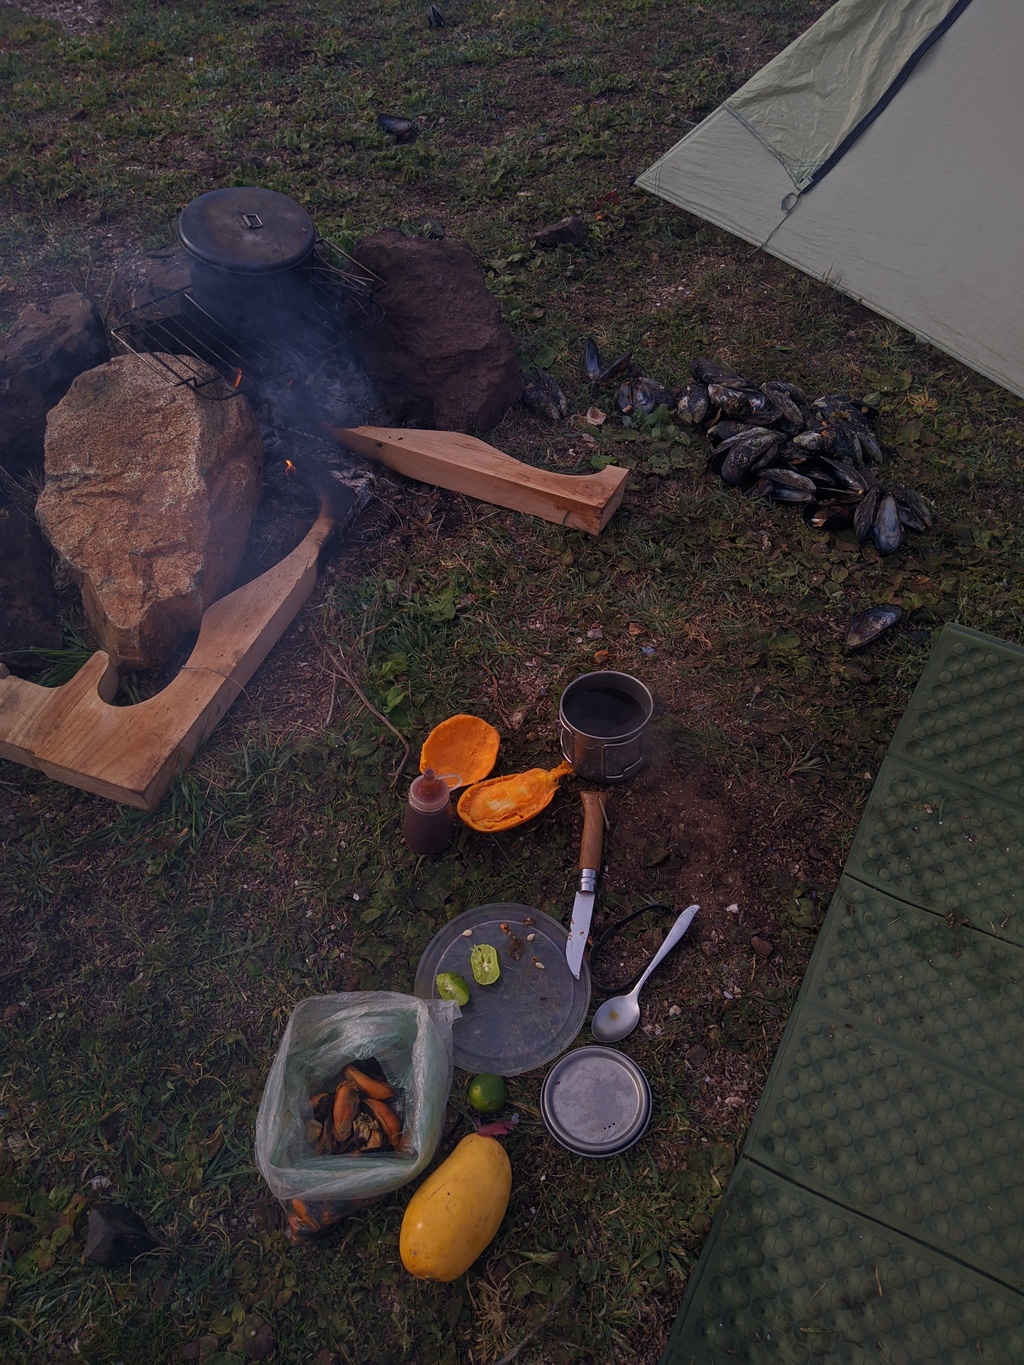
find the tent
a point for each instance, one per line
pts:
(881, 152)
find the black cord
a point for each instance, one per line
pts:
(607, 987)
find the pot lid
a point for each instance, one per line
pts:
(596, 1101)
(243, 228)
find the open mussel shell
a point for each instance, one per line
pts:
(592, 360)
(543, 396)
(868, 625)
(401, 129)
(617, 367)
(693, 405)
(915, 513)
(829, 516)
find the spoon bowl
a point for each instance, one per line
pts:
(619, 1016)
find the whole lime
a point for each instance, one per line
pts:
(487, 1093)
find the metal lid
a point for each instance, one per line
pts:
(247, 229)
(596, 1101)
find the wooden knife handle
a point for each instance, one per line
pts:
(593, 829)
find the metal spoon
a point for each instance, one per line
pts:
(619, 1016)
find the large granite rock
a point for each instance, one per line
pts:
(28, 603)
(442, 356)
(150, 491)
(47, 347)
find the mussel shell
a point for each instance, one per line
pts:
(710, 372)
(868, 625)
(748, 453)
(886, 528)
(543, 396)
(844, 473)
(784, 397)
(727, 430)
(741, 402)
(783, 477)
(914, 511)
(592, 360)
(618, 366)
(649, 394)
(815, 441)
(864, 515)
(828, 516)
(626, 397)
(780, 493)
(401, 129)
(693, 405)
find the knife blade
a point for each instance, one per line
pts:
(590, 866)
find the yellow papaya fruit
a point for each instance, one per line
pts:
(457, 1210)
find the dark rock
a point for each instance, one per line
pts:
(146, 279)
(116, 1234)
(441, 356)
(566, 232)
(257, 1338)
(47, 348)
(762, 946)
(28, 603)
(200, 1348)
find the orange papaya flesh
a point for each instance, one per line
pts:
(505, 802)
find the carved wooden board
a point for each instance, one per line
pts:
(464, 464)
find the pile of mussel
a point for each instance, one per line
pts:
(822, 454)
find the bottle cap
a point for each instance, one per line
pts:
(429, 792)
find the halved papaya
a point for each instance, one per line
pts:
(504, 802)
(462, 750)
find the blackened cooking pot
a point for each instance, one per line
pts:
(251, 257)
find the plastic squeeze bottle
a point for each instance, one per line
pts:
(429, 821)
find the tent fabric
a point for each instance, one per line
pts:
(804, 103)
(920, 219)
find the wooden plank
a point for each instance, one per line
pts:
(133, 753)
(465, 464)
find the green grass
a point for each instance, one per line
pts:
(150, 962)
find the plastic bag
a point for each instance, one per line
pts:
(412, 1041)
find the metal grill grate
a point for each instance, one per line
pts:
(184, 342)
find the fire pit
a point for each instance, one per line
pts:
(269, 299)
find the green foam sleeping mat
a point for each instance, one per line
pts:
(876, 1214)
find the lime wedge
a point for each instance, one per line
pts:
(451, 986)
(484, 962)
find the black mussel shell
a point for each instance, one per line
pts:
(816, 441)
(727, 429)
(649, 394)
(869, 625)
(782, 494)
(845, 474)
(401, 129)
(592, 359)
(829, 516)
(915, 513)
(870, 446)
(693, 405)
(749, 452)
(543, 396)
(782, 477)
(435, 18)
(864, 515)
(886, 529)
(783, 397)
(845, 440)
(710, 372)
(617, 367)
(625, 396)
(742, 403)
